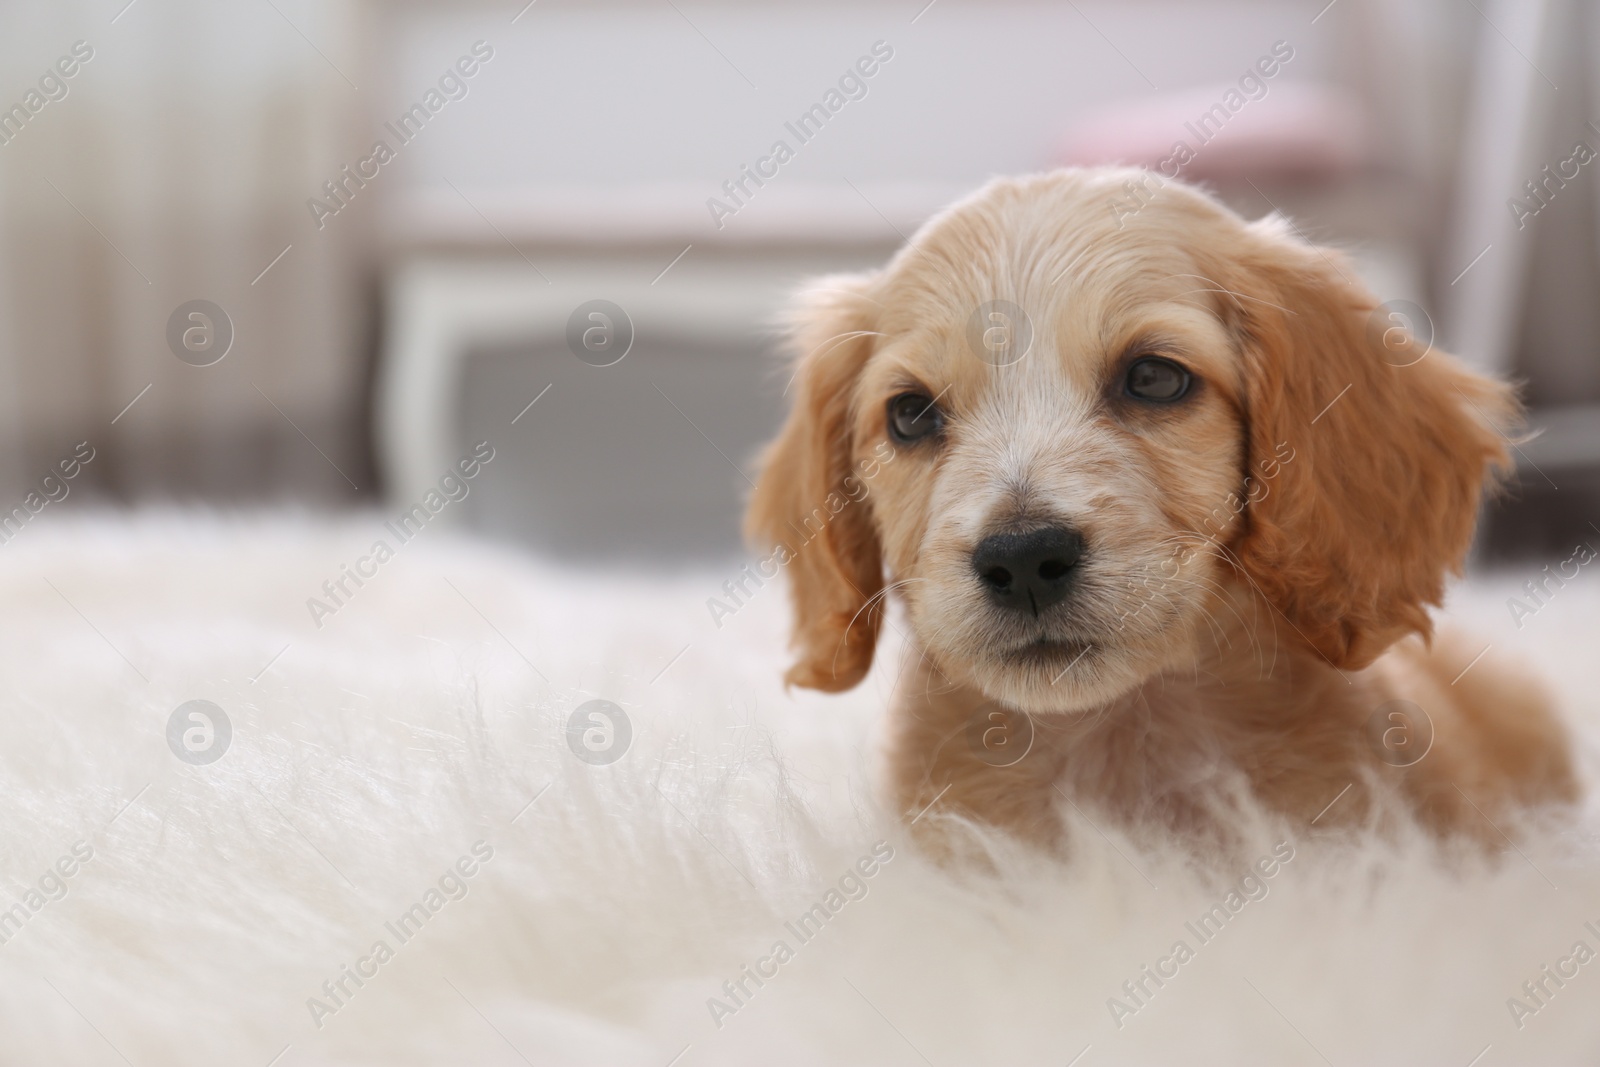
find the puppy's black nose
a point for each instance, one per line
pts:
(1028, 571)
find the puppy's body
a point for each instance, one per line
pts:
(1296, 734)
(1166, 488)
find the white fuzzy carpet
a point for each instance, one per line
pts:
(372, 754)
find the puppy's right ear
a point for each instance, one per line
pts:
(802, 507)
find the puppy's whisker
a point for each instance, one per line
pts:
(1189, 537)
(923, 658)
(882, 595)
(1219, 636)
(871, 601)
(848, 292)
(1252, 629)
(1201, 581)
(1220, 288)
(827, 345)
(1252, 641)
(1241, 296)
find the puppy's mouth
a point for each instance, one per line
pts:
(1047, 652)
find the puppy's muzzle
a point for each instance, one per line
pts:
(1029, 572)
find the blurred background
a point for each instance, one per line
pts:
(212, 276)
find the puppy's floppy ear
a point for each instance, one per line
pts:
(1352, 537)
(802, 505)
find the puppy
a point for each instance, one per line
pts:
(1165, 497)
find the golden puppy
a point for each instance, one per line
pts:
(1167, 501)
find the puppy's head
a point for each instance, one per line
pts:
(1062, 429)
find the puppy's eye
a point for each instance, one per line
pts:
(913, 416)
(1157, 379)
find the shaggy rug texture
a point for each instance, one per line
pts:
(409, 851)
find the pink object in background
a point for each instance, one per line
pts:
(1300, 130)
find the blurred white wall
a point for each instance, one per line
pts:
(181, 162)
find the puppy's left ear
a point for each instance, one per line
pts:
(803, 505)
(1371, 450)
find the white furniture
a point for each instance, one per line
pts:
(646, 456)
(440, 309)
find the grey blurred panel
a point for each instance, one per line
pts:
(604, 465)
